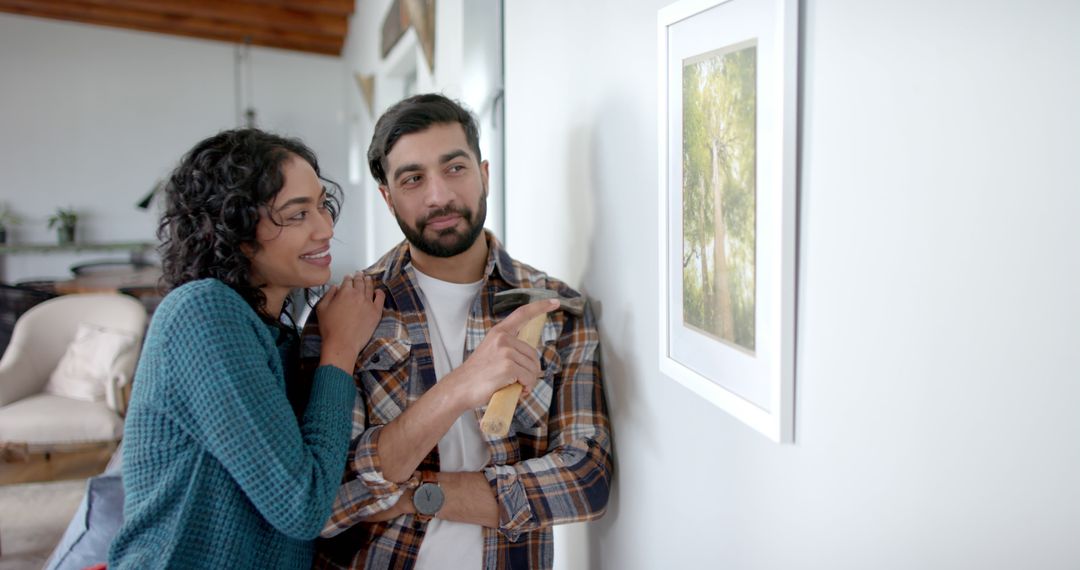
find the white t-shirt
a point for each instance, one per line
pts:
(450, 544)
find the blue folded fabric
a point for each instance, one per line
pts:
(87, 538)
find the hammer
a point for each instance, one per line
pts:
(500, 410)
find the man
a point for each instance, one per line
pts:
(424, 487)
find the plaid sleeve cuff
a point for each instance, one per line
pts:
(365, 492)
(367, 466)
(515, 513)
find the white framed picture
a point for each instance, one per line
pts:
(728, 103)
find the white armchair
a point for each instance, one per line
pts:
(33, 420)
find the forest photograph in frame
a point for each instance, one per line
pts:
(719, 176)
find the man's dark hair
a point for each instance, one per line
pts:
(212, 207)
(413, 115)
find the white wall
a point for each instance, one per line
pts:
(937, 318)
(92, 117)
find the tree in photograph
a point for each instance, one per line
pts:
(719, 179)
(697, 204)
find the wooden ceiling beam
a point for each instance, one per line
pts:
(76, 11)
(338, 7)
(269, 17)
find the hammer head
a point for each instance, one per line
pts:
(514, 298)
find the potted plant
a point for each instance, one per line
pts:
(7, 219)
(64, 220)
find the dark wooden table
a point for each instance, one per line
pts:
(137, 281)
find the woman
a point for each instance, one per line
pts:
(218, 471)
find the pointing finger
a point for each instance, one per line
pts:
(514, 321)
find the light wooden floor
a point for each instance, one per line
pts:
(56, 467)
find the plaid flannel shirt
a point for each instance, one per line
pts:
(553, 467)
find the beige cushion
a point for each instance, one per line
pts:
(48, 419)
(84, 370)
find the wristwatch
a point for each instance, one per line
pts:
(428, 498)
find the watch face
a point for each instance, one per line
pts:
(428, 499)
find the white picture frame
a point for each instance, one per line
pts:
(727, 289)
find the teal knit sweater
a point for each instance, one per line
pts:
(217, 472)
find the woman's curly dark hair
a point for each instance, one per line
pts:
(213, 201)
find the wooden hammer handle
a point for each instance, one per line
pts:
(500, 410)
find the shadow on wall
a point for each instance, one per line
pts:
(609, 187)
(579, 197)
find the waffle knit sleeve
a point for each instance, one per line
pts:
(229, 387)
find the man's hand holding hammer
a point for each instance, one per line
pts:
(500, 360)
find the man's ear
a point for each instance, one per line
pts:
(484, 172)
(386, 197)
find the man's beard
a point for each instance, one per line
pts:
(450, 241)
